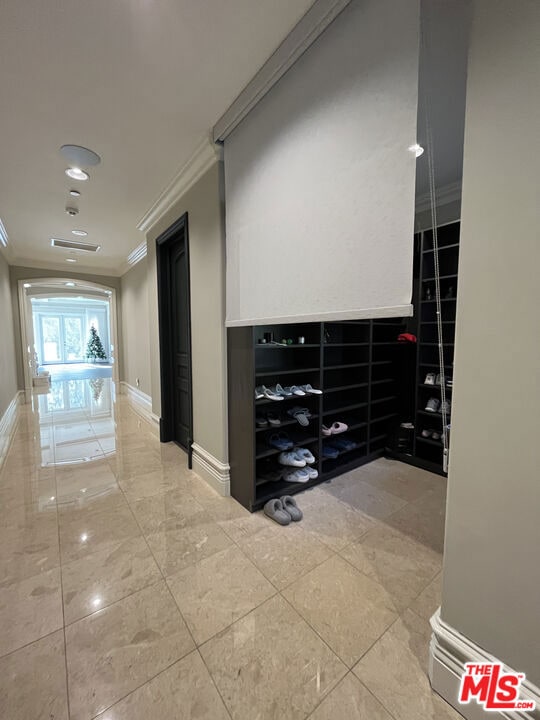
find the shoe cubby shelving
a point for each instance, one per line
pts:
(426, 451)
(354, 363)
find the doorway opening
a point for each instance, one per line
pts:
(172, 250)
(68, 330)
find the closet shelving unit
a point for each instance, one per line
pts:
(354, 363)
(427, 452)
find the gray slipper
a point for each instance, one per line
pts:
(274, 509)
(290, 506)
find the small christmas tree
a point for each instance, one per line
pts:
(94, 349)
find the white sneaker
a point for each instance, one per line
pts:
(430, 379)
(433, 405)
(292, 459)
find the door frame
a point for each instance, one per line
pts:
(27, 327)
(166, 366)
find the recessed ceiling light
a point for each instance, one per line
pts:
(70, 284)
(416, 149)
(70, 260)
(74, 193)
(77, 174)
(27, 285)
(80, 156)
(82, 233)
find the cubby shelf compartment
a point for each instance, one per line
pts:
(452, 276)
(268, 452)
(347, 372)
(279, 346)
(358, 446)
(345, 387)
(267, 372)
(428, 441)
(425, 451)
(345, 408)
(346, 366)
(286, 423)
(433, 387)
(442, 247)
(437, 415)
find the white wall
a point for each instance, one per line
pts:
(135, 362)
(203, 203)
(8, 364)
(491, 590)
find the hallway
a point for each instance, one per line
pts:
(130, 590)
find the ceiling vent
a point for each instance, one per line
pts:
(74, 245)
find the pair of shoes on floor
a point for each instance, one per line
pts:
(272, 419)
(433, 434)
(283, 510)
(434, 405)
(299, 457)
(334, 429)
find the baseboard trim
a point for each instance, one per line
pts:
(216, 473)
(7, 425)
(449, 651)
(142, 404)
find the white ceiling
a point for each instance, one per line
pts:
(141, 82)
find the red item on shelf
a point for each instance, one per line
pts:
(407, 337)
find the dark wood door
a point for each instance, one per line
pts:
(175, 335)
(180, 344)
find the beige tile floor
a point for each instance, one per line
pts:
(131, 591)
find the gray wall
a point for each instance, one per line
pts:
(203, 203)
(8, 364)
(491, 589)
(17, 272)
(136, 328)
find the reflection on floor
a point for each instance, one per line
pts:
(78, 371)
(130, 590)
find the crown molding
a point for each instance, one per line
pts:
(301, 37)
(202, 160)
(443, 195)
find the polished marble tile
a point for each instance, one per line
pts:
(283, 554)
(97, 530)
(329, 520)
(29, 609)
(271, 665)
(156, 482)
(395, 670)
(170, 510)
(348, 610)
(359, 495)
(423, 520)
(115, 650)
(29, 550)
(350, 700)
(106, 576)
(185, 691)
(33, 681)
(179, 547)
(244, 525)
(217, 591)
(400, 564)
(429, 600)
(404, 481)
